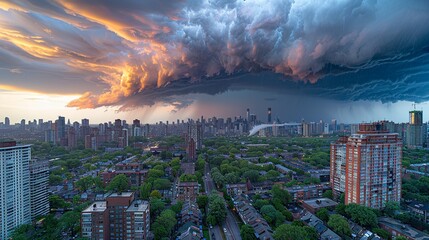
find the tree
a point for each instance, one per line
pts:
(177, 208)
(323, 214)
(70, 221)
(84, 183)
(268, 212)
(217, 211)
(188, 178)
(119, 183)
(56, 201)
(260, 203)
(362, 215)
(401, 238)
(391, 208)
(247, 232)
(156, 207)
(155, 194)
(202, 201)
(292, 232)
(252, 175)
(272, 174)
(382, 233)
(55, 179)
(161, 184)
(277, 203)
(328, 194)
(281, 194)
(339, 224)
(145, 190)
(22, 232)
(164, 224)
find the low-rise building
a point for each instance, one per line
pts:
(313, 205)
(190, 222)
(237, 189)
(187, 191)
(397, 228)
(420, 210)
(190, 213)
(283, 169)
(323, 231)
(250, 216)
(135, 177)
(301, 193)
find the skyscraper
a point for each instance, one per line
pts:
(85, 122)
(61, 129)
(248, 115)
(269, 115)
(15, 205)
(372, 166)
(415, 133)
(6, 122)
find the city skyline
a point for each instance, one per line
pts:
(351, 61)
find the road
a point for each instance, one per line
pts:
(231, 226)
(215, 232)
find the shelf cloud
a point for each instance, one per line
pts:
(133, 53)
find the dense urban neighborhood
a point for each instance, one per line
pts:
(203, 183)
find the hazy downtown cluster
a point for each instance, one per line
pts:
(131, 53)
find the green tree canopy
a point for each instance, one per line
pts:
(247, 232)
(339, 224)
(155, 194)
(202, 201)
(292, 232)
(362, 215)
(164, 224)
(217, 210)
(281, 194)
(119, 183)
(323, 214)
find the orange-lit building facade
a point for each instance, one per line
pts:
(370, 174)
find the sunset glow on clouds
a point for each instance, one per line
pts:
(130, 54)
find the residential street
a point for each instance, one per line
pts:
(232, 228)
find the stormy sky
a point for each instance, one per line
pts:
(162, 59)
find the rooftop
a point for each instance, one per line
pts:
(99, 206)
(419, 205)
(138, 206)
(122, 194)
(320, 203)
(403, 229)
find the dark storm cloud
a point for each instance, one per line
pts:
(149, 51)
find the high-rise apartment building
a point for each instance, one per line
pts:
(195, 131)
(338, 166)
(119, 217)
(39, 178)
(415, 133)
(370, 174)
(15, 205)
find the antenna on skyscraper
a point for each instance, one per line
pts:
(414, 105)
